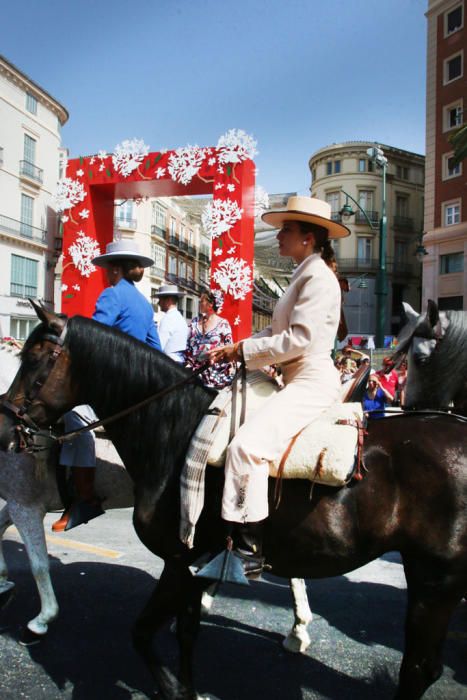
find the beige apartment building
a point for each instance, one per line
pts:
(445, 239)
(345, 174)
(31, 156)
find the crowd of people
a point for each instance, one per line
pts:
(385, 387)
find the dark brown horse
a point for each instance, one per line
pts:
(412, 499)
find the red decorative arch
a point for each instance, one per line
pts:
(86, 198)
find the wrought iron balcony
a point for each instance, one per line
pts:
(191, 251)
(204, 257)
(174, 240)
(184, 245)
(372, 215)
(394, 267)
(158, 231)
(403, 223)
(22, 229)
(126, 224)
(31, 171)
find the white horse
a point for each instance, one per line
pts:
(28, 485)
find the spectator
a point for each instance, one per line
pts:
(388, 377)
(375, 397)
(347, 370)
(207, 331)
(173, 330)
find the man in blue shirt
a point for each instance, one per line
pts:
(121, 306)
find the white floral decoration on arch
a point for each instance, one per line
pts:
(69, 192)
(82, 252)
(185, 163)
(234, 277)
(261, 201)
(235, 146)
(128, 155)
(219, 216)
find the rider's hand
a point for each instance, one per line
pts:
(225, 353)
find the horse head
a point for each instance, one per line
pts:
(41, 391)
(419, 340)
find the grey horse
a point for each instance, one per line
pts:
(29, 488)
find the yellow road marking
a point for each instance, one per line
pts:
(81, 546)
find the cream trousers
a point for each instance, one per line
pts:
(311, 386)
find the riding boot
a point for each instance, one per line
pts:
(85, 506)
(248, 546)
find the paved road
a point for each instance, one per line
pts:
(103, 575)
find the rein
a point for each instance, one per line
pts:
(116, 416)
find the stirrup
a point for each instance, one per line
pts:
(226, 567)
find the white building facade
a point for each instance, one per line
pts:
(30, 156)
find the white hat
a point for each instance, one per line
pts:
(122, 250)
(168, 290)
(308, 209)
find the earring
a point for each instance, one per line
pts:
(304, 243)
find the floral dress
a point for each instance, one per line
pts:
(221, 374)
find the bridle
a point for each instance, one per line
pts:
(26, 428)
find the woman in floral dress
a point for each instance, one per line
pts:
(209, 331)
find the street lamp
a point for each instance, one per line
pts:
(381, 289)
(420, 250)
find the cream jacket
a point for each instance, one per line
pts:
(304, 322)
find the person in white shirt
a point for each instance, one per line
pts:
(173, 329)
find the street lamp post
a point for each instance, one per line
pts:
(381, 288)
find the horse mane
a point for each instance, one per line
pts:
(446, 370)
(112, 371)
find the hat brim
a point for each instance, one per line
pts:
(170, 294)
(102, 260)
(277, 217)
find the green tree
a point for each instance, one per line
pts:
(459, 142)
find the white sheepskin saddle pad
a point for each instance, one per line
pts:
(323, 452)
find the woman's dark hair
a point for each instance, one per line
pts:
(322, 243)
(210, 297)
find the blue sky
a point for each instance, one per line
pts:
(297, 75)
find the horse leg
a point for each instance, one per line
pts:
(6, 586)
(29, 521)
(298, 640)
(428, 613)
(165, 602)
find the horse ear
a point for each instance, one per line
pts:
(432, 313)
(48, 318)
(408, 314)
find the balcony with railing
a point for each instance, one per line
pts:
(157, 230)
(126, 224)
(395, 267)
(184, 246)
(403, 223)
(22, 229)
(203, 256)
(155, 271)
(191, 251)
(31, 171)
(372, 215)
(174, 240)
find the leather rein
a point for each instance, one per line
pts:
(27, 429)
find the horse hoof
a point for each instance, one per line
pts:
(295, 645)
(6, 597)
(27, 638)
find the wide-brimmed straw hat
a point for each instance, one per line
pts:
(122, 250)
(168, 290)
(309, 209)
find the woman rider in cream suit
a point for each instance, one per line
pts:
(300, 339)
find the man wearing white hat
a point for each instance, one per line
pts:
(173, 330)
(121, 306)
